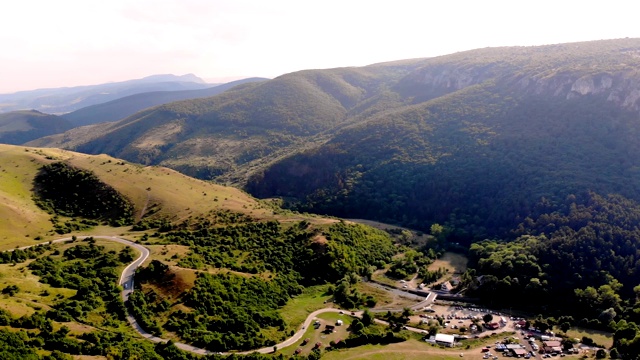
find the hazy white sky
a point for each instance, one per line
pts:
(47, 43)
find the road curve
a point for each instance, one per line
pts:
(126, 281)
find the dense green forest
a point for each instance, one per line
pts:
(456, 165)
(270, 264)
(64, 190)
(578, 258)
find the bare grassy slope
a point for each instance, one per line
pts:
(154, 191)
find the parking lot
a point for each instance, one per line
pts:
(456, 317)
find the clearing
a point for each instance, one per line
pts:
(599, 337)
(411, 349)
(321, 335)
(385, 299)
(456, 264)
(298, 308)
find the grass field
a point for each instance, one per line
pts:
(297, 309)
(168, 254)
(384, 298)
(599, 337)
(379, 276)
(453, 262)
(318, 335)
(409, 350)
(32, 294)
(20, 219)
(416, 237)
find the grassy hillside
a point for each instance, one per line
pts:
(231, 257)
(21, 126)
(154, 191)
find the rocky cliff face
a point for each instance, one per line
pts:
(620, 87)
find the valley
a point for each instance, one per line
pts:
(390, 203)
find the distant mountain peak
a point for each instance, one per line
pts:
(171, 77)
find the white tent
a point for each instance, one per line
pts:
(445, 339)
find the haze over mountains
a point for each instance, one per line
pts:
(64, 100)
(480, 135)
(20, 126)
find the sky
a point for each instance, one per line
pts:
(46, 43)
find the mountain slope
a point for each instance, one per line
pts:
(472, 139)
(490, 132)
(209, 137)
(21, 126)
(155, 192)
(63, 100)
(123, 107)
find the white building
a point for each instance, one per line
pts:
(445, 339)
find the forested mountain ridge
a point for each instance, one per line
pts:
(18, 127)
(209, 137)
(489, 132)
(472, 139)
(120, 108)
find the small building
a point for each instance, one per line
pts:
(445, 339)
(519, 352)
(552, 346)
(446, 286)
(552, 343)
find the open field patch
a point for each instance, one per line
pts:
(411, 349)
(168, 254)
(31, 295)
(384, 299)
(298, 308)
(453, 262)
(327, 331)
(599, 337)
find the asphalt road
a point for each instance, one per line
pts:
(127, 282)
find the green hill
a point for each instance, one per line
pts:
(243, 126)
(153, 192)
(120, 108)
(21, 126)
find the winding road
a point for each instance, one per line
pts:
(126, 281)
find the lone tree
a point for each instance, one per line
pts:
(487, 318)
